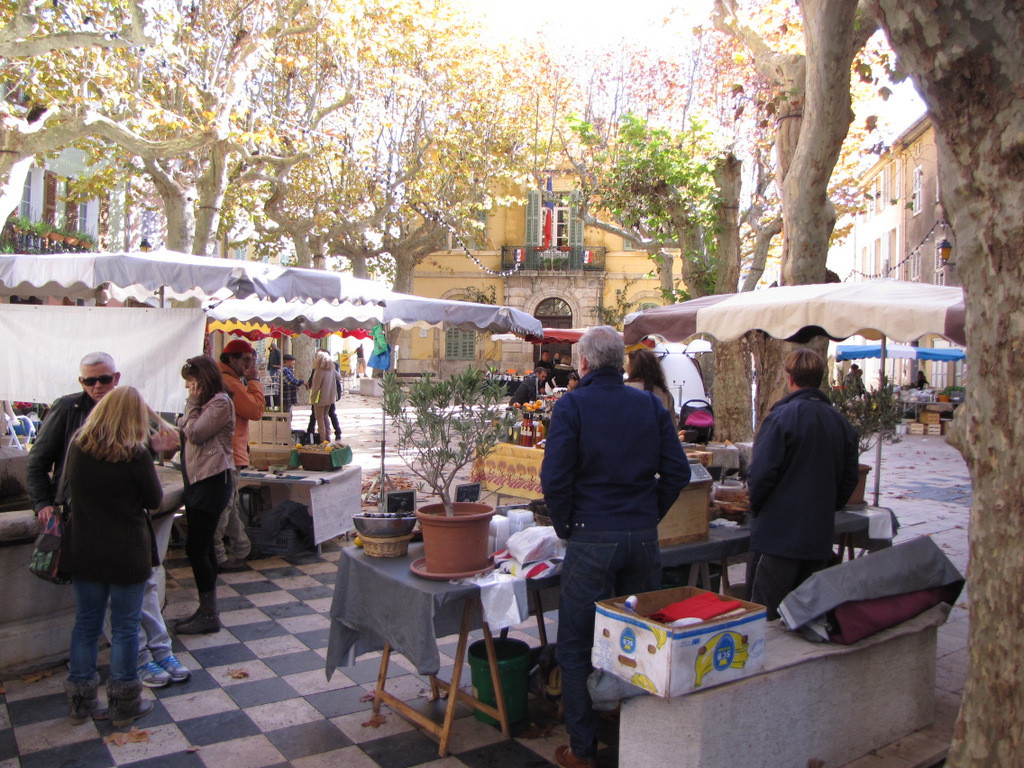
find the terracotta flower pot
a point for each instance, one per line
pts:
(455, 545)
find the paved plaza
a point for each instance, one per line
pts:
(259, 697)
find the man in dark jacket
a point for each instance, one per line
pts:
(530, 388)
(98, 376)
(612, 468)
(803, 468)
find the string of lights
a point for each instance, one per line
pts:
(894, 268)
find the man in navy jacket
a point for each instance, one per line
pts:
(613, 466)
(803, 468)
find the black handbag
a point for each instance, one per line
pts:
(47, 560)
(46, 557)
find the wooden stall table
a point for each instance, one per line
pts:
(331, 497)
(510, 470)
(379, 603)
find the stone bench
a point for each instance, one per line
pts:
(834, 703)
(36, 617)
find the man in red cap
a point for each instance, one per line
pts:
(241, 380)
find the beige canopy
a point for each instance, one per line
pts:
(899, 310)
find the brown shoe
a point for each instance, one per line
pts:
(230, 565)
(565, 758)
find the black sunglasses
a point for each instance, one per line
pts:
(92, 381)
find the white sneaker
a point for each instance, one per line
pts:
(154, 676)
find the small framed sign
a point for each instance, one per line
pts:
(400, 502)
(467, 492)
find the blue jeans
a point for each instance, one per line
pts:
(598, 565)
(91, 599)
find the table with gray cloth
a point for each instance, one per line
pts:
(378, 599)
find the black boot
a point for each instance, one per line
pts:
(82, 699)
(124, 698)
(191, 617)
(206, 619)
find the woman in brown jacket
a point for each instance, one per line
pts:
(323, 391)
(207, 427)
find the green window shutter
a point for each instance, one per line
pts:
(459, 344)
(576, 219)
(533, 235)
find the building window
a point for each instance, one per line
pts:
(915, 265)
(879, 195)
(917, 198)
(26, 197)
(459, 344)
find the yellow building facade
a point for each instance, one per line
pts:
(564, 274)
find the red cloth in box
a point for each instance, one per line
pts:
(704, 606)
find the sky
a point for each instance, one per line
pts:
(585, 22)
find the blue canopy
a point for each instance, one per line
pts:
(901, 351)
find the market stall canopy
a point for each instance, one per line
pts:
(140, 276)
(398, 309)
(405, 310)
(899, 351)
(899, 310)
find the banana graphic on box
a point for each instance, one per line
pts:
(641, 680)
(724, 650)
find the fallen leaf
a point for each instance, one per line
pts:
(238, 674)
(192, 749)
(366, 697)
(375, 722)
(134, 736)
(35, 677)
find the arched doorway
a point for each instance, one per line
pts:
(553, 313)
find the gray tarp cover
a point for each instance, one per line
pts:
(914, 565)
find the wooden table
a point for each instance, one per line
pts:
(331, 497)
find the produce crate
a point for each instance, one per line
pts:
(917, 428)
(272, 429)
(933, 429)
(323, 461)
(667, 661)
(929, 417)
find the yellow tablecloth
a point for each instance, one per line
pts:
(510, 469)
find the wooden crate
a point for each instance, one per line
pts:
(928, 417)
(687, 520)
(933, 429)
(917, 428)
(272, 429)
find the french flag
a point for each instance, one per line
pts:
(549, 216)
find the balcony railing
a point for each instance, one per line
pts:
(562, 259)
(32, 242)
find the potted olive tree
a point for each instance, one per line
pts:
(443, 424)
(874, 414)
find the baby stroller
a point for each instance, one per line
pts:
(697, 416)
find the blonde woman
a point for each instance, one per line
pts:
(323, 391)
(111, 483)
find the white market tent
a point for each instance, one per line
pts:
(173, 275)
(396, 309)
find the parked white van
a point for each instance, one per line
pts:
(682, 373)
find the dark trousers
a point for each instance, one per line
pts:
(598, 565)
(204, 502)
(332, 414)
(770, 578)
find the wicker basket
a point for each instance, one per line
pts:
(394, 546)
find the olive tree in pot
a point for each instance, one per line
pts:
(874, 414)
(443, 424)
